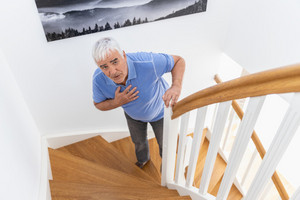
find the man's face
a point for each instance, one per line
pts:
(114, 66)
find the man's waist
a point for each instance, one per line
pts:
(145, 115)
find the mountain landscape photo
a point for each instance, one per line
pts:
(69, 18)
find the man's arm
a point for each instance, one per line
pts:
(108, 104)
(172, 94)
(120, 99)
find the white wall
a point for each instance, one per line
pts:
(20, 147)
(264, 34)
(55, 78)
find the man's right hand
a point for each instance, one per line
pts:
(120, 99)
(126, 96)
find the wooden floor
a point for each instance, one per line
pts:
(95, 169)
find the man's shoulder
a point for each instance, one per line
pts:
(98, 74)
(140, 56)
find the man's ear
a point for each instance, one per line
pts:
(124, 54)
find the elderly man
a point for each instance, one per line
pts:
(134, 82)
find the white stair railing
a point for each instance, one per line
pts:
(198, 131)
(218, 128)
(258, 85)
(181, 149)
(169, 148)
(230, 119)
(284, 135)
(240, 144)
(280, 143)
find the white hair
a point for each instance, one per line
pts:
(103, 47)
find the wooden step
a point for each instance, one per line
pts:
(66, 167)
(79, 191)
(126, 147)
(98, 150)
(234, 193)
(172, 198)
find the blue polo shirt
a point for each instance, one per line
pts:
(145, 72)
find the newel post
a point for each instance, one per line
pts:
(169, 147)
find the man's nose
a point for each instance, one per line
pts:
(112, 70)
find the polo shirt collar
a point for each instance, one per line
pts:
(131, 70)
(131, 73)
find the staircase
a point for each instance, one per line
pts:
(96, 169)
(256, 87)
(192, 165)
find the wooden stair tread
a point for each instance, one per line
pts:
(79, 191)
(94, 169)
(172, 198)
(98, 150)
(234, 193)
(66, 167)
(126, 147)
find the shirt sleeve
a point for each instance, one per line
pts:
(163, 63)
(98, 95)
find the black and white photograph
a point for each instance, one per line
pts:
(70, 18)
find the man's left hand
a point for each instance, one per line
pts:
(171, 96)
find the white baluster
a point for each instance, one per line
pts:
(187, 152)
(240, 144)
(169, 147)
(215, 108)
(277, 148)
(188, 149)
(214, 145)
(230, 120)
(198, 131)
(179, 175)
(296, 195)
(251, 162)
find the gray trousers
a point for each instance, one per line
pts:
(138, 133)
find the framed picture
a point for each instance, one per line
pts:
(70, 18)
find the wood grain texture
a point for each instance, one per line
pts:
(77, 178)
(79, 191)
(172, 198)
(280, 80)
(126, 147)
(98, 150)
(66, 167)
(260, 148)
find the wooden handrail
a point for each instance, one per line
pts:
(275, 81)
(260, 148)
